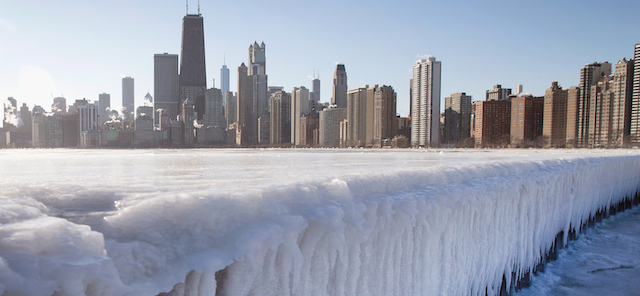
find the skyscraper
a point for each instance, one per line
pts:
(590, 75)
(384, 115)
(315, 90)
(214, 110)
(230, 113)
(280, 132)
(246, 119)
(299, 106)
(601, 105)
(425, 109)
(104, 106)
(166, 85)
(573, 116)
(224, 80)
(357, 117)
(193, 75)
(621, 113)
(635, 99)
(258, 72)
(339, 96)
(127, 99)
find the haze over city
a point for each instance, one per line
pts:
(81, 49)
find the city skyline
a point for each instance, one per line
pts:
(81, 51)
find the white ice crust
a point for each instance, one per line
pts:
(292, 222)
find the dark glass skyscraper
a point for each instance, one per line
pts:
(193, 75)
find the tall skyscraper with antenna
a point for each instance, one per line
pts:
(224, 79)
(315, 88)
(193, 74)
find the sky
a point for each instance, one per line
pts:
(79, 49)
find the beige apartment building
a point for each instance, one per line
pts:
(573, 115)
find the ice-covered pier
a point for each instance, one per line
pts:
(286, 222)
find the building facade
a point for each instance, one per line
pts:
(498, 93)
(280, 118)
(246, 126)
(384, 115)
(315, 90)
(554, 126)
(214, 110)
(257, 71)
(492, 123)
(128, 99)
(356, 130)
(425, 106)
(166, 86)
(193, 74)
(457, 118)
(224, 80)
(526, 120)
(590, 74)
(299, 106)
(230, 108)
(104, 107)
(621, 113)
(329, 126)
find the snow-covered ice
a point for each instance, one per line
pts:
(291, 222)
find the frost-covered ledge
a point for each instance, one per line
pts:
(437, 232)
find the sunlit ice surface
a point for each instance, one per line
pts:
(300, 222)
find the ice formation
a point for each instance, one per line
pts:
(292, 222)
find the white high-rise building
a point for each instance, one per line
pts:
(299, 106)
(127, 98)
(635, 98)
(425, 109)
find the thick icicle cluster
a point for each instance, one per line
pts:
(438, 232)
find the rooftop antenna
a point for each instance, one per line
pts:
(224, 58)
(187, 6)
(198, 7)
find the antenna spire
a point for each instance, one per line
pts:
(187, 6)
(198, 7)
(224, 59)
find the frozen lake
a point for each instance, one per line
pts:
(307, 222)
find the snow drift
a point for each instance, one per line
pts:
(298, 222)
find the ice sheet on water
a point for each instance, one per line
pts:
(604, 261)
(295, 222)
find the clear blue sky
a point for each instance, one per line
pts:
(80, 49)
